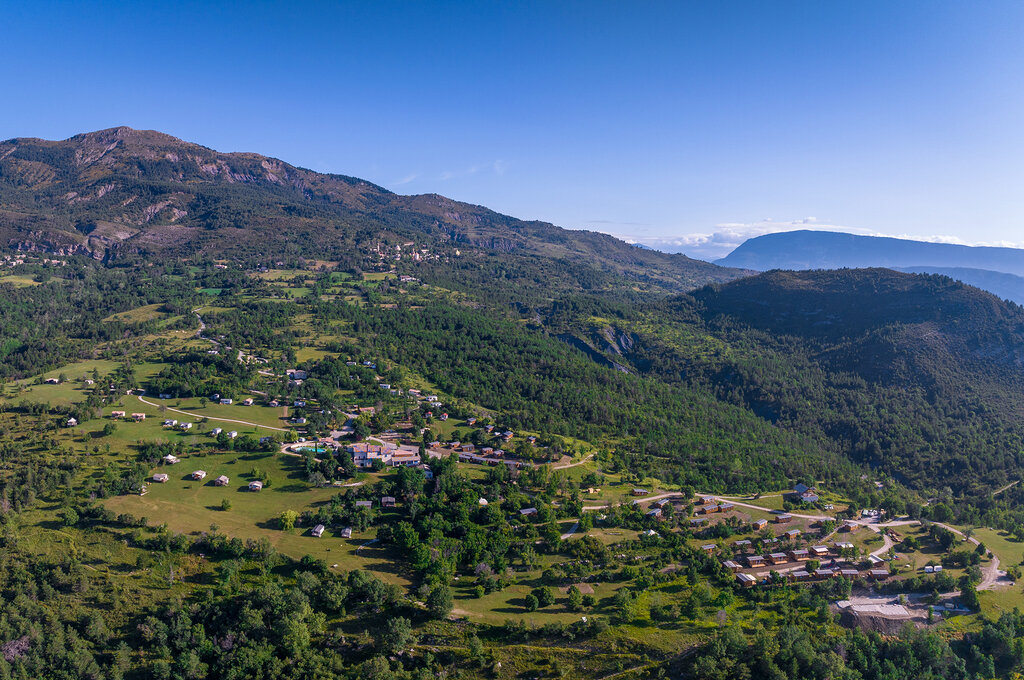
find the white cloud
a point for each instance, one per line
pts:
(726, 237)
(405, 180)
(498, 167)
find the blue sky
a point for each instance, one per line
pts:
(699, 123)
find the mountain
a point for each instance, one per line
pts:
(1006, 286)
(918, 376)
(120, 192)
(805, 249)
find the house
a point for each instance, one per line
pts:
(227, 402)
(709, 548)
(742, 545)
(117, 414)
(848, 573)
(531, 439)
(199, 474)
(697, 521)
(849, 526)
(138, 417)
(222, 481)
(654, 512)
(819, 550)
(364, 504)
(746, 580)
(640, 492)
(705, 500)
(708, 509)
(318, 531)
(171, 460)
(528, 512)
(660, 503)
(731, 566)
(387, 501)
(444, 416)
(72, 422)
(844, 545)
(799, 575)
(878, 574)
(346, 532)
(488, 428)
(755, 561)
(507, 435)
(792, 534)
(232, 434)
(783, 518)
(726, 507)
(471, 421)
(825, 573)
(801, 488)
(216, 431)
(161, 477)
(778, 558)
(255, 485)
(799, 555)
(760, 524)
(875, 559)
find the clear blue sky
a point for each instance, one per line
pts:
(646, 119)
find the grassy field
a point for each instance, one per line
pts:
(137, 315)
(190, 507)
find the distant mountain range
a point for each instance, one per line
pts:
(123, 192)
(997, 270)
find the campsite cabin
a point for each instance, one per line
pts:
(318, 531)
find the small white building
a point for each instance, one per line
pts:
(199, 474)
(255, 485)
(318, 531)
(161, 477)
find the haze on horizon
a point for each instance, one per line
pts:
(686, 127)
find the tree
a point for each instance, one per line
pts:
(440, 602)
(69, 517)
(545, 597)
(287, 519)
(575, 598)
(532, 603)
(396, 636)
(225, 505)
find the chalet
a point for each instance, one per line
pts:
(640, 492)
(507, 435)
(117, 414)
(875, 559)
(346, 532)
(708, 509)
(778, 558)
(471, 421)
(849, 526)
(161, 477)
(799, 575)
(227, 402)
(488, 428)
(255, 485)
(444, 416)
(819, 550)
(654, 512)
(746, 580)
(825, 573)
(848, 573)
(697, 521)
(709, 548)
(222, 481)
(216, 431)
(531, 440)
(792, 534)
(731, 566)
(742, 545)
(232, 434)
(171, 460)
(528, 512)
(760, 524)
(799, 555)
(878, 574)
(364, 504)
(783, 518)
(726, 507)
(318, 531)
(755, 561)
(705, 500)
(387, 501)
(469, 448)
(660, 503)
(487, 450)
(138, 417)
(199, 474)
(809, 497)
